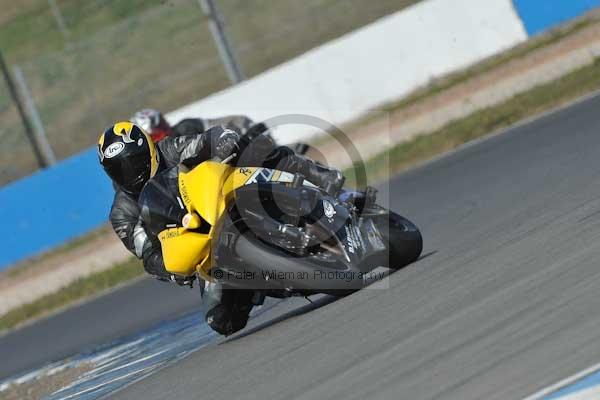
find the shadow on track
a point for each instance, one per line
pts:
(312, 305)
(427, 255)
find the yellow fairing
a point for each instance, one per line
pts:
(238, 178)
(183, 250)
(201, 189)
(205, 190)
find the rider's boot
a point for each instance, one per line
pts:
(226, 311)
(328, 179)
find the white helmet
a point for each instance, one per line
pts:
(153, 122)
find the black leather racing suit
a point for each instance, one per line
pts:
(226, 311)
(125, 212)
(173, 150)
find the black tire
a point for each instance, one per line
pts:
(403, 238)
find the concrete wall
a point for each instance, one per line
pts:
(373, 65)
(337, 81)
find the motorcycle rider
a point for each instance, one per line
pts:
(130, 158)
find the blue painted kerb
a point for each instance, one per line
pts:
(541, 15)
(585, 383)
(52, 206)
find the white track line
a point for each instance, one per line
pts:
(118, 378)
(565, 382)
(585, 394)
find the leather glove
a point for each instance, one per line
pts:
(256, 130)
(178, 279)
(227, 144)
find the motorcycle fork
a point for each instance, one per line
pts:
(258, 298)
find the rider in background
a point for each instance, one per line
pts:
(131, 158)
(154, 123)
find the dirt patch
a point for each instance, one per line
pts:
(45, 385)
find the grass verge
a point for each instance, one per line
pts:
(161, 55)
(78, 290)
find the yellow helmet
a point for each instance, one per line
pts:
(128, 155)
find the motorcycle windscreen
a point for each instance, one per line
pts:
(183, 250)
(201, 189)
(160, 203)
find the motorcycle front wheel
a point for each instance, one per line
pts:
(403, 238)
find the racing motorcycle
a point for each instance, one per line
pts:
(271, 231)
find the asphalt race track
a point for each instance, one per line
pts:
(508, 302)
(505, 301)
(123, 312)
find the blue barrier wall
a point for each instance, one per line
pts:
(541, 15)
(52, 206)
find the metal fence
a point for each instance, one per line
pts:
(87, 64)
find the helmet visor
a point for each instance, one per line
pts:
(130, 173)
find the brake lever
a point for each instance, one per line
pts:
(231, 157)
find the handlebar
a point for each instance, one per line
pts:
(225, 161)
